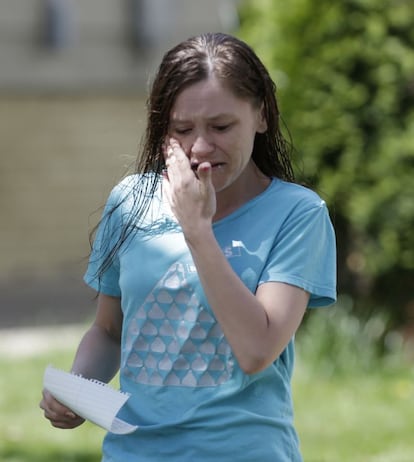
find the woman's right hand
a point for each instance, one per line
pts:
(59, 415)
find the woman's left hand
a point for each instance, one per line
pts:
(191, 194)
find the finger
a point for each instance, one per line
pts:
(178, 165)
(174, 143)
(170, 145)
(67, 420)
(171, 159)
(54, 410)
(170, 152)
(204, 172)
(174, 150)
(65, 424)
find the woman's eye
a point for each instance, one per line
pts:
(221, 128)
(182, 131)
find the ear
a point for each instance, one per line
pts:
(261, 120)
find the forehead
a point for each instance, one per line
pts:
(207, 98)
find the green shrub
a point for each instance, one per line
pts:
(336, 342)
(345, 71)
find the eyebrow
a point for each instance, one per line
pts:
(214, 118)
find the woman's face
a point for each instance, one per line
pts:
(213, 125)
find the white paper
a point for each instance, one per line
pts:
(93, 400)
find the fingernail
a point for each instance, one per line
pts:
(70, 415)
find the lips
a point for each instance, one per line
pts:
(194, 165)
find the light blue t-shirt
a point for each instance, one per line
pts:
(189, 397)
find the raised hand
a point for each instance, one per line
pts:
(190, 191)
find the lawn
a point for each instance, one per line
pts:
(355, 417)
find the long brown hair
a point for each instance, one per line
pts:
(239, 69)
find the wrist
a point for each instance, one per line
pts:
(200, 236)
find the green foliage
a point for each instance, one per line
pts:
(337, 343)
(345, 72)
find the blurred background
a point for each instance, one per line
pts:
(74, 77)
(73, 82)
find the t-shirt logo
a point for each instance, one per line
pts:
(173, 340)
(233, 250)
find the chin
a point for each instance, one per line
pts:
(220, 186)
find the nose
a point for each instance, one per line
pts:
(202, 145)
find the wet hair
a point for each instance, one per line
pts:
(238, 68)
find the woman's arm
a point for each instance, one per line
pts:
(97, 357)
(257, 326)
(98, 354)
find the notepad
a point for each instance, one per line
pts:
(93, 400)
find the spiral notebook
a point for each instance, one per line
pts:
(93, 400)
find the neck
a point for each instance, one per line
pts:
(251, 185)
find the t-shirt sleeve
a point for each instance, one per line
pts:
(102, 273)
(304, 254)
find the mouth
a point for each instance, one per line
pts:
(214, 166)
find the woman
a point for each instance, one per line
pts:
(205, 261)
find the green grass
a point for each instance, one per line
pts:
(356, 417)
(359, 416)
(25, 435)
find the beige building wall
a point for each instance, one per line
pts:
(59, 158)
(71, 119)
